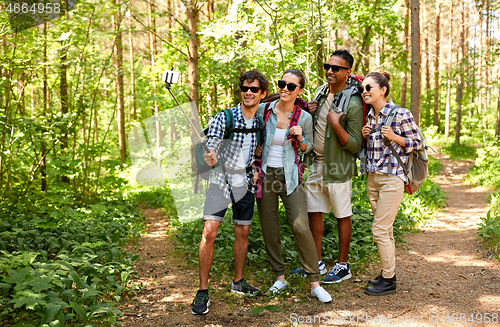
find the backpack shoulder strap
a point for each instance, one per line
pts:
(261, 130)
(267, 112)
(347, 94)
(229, 131)
(297, 111)
(391, 115)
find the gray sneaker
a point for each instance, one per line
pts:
(242, 287)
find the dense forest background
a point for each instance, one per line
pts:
(76, 89)
(72, 88)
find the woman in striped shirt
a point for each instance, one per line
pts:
(386, 178)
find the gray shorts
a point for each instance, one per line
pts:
(216, 205)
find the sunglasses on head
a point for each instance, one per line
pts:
(254, 89)
(290, 86)
(334, 68)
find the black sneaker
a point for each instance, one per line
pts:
(384, 286)
(242, 287)
(200, 304)
(377, 279)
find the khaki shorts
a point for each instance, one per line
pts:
(323, 196)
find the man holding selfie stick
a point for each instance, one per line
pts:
(337, 112)
(226, 188)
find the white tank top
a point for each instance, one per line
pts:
(275, 153)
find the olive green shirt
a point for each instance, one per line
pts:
(339, 162)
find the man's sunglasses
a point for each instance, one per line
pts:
(290, 86)
(254, 89)
(334, 68)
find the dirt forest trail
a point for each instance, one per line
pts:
(444, 277)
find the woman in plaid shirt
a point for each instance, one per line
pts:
(386, 178)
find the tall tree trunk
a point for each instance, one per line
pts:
(193, 73)
(480, 81)
(427, 65)
(487, 59)
(497, 132)
(152, 48)
(404, 81)
(132, 70)
(118, 56)
(436, 67)
(448, 82)
(415, 61)
(43, 165)
(63, 88)
(460, 75)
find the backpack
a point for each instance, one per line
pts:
(354, 81)
(297, 111)
(203, 170)
(416, 170)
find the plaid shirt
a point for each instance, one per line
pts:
(378, 153)
(232, 152)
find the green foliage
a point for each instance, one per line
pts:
(62, 262)
(489, 228)
(486, 171)
(460, 151)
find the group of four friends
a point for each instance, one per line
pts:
(330, 132)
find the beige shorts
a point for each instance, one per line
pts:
(323, 196)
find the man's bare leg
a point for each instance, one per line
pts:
(206, 254)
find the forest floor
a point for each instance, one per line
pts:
(444, 277)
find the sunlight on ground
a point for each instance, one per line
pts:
(172, 298)
(489, 299)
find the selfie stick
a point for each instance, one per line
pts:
(172, 77)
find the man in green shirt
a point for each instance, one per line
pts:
(338, 118)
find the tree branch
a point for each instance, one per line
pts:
(158, 36)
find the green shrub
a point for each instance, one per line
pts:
(486, 171)
(489, 228)
(62, 262)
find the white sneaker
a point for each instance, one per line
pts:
(321, 294)
(277, 287)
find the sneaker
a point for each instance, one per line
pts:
(242, 287)
(277, 287)
(321, 294)
(322, 268)
(337, 274)
(200, 304)
(377, 279)
(300, 270)
(384, 286)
